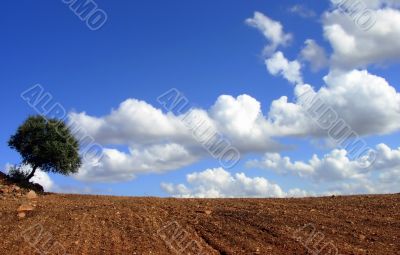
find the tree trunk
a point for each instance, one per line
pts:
(32, 173)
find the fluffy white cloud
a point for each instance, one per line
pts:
(366, 102)
(354, 46)
(219, 183)
(40, 177)
(241, 120)
(314, 54)
(279, 65)
(159, 142)
(137, 123)
(302, 10)
(331, 167)
(272, 31)
(337, 168)
(116, 165)
(134, 121)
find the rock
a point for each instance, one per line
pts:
(208, 212)
(362, 237)
(25, 208)
(31, 195)
(21, 215)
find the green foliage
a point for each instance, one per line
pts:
(47, 144)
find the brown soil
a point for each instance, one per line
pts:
(78, 224)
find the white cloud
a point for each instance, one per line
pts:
(302, 10)
(279, 65)
(331, 167)
(137, 123)
(134, 121)
(366, 102)
(376, 4)
(40, 177)
(355, 47)
(345, 174)
(219, 183)
(116, 165)
(272, 31)
(241, 120)
(314, 54)
(159, 142)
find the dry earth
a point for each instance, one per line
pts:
(78, 224)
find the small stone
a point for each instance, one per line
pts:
(21, 215)
(25, 208)
(208, 212)
(362, 237)
(31, 195)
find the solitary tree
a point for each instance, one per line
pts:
(46, 144)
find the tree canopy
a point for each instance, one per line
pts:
(46, 144)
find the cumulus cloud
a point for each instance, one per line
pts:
(333, 166)
(354, 46)
(302, 10)
(315, 55)
(219, 183)
(337, 168)
(241, 120)
(272, 31)
(367, 103)
(116, 165)
(279, 65)
(159, 142)
(132, 122)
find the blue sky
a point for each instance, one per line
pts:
(205, 50)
